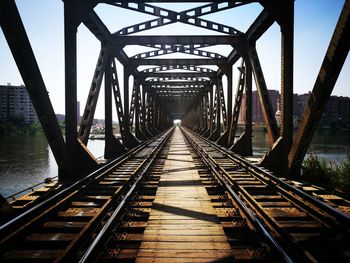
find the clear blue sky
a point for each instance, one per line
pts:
(314, 24)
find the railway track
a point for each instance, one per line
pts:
(307, 229)
(179, 198)
(181, 213)
(58, 228)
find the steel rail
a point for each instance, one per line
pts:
(61, 195)
(299, 203)
(258, 171)
(92, 252)
(274, 226)
(279, 251)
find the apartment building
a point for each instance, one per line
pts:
(15, 101)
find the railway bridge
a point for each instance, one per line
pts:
(177, 193)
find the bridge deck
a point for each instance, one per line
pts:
(182, 225)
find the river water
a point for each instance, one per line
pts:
(26, 160)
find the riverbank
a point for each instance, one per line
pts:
(7, 129)
(334, 177)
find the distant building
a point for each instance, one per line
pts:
(337, 111)
(60, 117)
(15, 102)
(257, 115)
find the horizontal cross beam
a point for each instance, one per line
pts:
(178, 75)
(188, 62)
(181, 39)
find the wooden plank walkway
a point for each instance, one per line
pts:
(182, 225)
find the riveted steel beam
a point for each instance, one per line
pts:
(178, 49)
(332, 64)
(187, 62)
(170, 79)
(267, 110)
(113, 146)
(90, 106)
(178, 39)
(166, 17)
(172, 75)
(176, 83)
(183, 67)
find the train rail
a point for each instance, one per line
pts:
(55, 229)
(165, 220)
(178, 198)
(306, 228)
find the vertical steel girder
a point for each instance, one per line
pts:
(91, 102)
(277, 158)
(211, 112)
(113, 146)
(243, 145)
(23, 55)
(83, 161)
(215, 135)
(267, 110)
(223, 140)
(144, 119)
(70, 54)
(132, 104)
(138, 113)
(117, 97)
(129, 139)
(237, 106)
(223, 104)
(332, 64)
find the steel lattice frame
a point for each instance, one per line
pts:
(175, 88)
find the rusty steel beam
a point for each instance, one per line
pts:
(237, 106)
(267, 110)
(190, 16)
(179, 61)
(113, 146)
(176, 83)
(215, 135)
(129, 139)
(177, 49)
(243, 145)
(332, 64)
(91, 102)
(191, 68)
(177, 75)
(177, 39)
(83, 161)
(184, 79)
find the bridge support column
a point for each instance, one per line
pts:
(144, 129)
(332, 64)
(83, 161)
(138, 112)
(243, 145)
(129, 140)
(113, 146)
(91, 102)
(224, 139)
(211, 111)
(277, 158)
(215, 135)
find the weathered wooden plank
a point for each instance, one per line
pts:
(182, 226)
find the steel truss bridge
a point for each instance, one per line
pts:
(103, 206)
